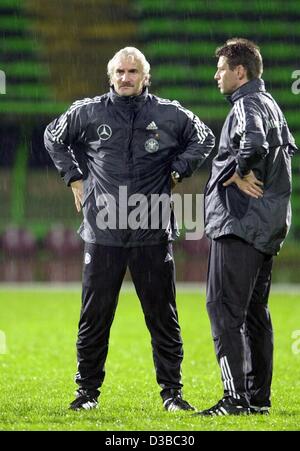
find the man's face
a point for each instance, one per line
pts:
(228, 80)
(128, 78)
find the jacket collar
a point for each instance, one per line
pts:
(250, 87)
(128, 101)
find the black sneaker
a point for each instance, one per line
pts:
(85, 400)
(172, 401)
(226, 406)
(265, 410)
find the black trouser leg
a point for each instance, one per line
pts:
(103, 273)
(234, 268)
(260, 340)
(153, 273)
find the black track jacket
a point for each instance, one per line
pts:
(128, 142)
(255, 136)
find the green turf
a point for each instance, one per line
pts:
(37, 371)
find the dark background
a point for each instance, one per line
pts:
(55, 52)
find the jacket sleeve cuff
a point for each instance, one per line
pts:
(181, 167)
(72, 176)
(242, 174)
(243, 166)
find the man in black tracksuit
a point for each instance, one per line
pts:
(247, 217)
(133, 145)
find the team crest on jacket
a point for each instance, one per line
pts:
(151, 145)
(104, 132)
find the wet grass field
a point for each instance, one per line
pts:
(38, 362)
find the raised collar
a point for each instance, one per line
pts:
(128, 101)
(251, 86)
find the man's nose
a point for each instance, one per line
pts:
(216, 76)
(125, 76)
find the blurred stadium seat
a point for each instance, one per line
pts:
(18, 242)
(63, 242)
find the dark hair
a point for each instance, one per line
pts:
(239, 51)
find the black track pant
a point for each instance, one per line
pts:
(239, 279)
(153, 274)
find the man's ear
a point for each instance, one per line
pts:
(241, 72)
(146, 81)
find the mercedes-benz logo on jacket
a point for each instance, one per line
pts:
(104, 132)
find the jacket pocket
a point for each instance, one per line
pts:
(234, 200)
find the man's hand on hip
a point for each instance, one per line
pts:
(175, 178)
(77, 188)
(249, 184)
